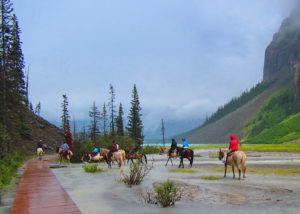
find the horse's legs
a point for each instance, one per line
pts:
(243, 169)
(171, 161)
(167, 161)
(189, 158)
(225, 169)
(233, 171)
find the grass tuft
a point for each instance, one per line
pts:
(210, 177)
(184, 170)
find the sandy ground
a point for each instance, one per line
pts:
(103, 193)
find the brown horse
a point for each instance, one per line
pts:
(66, 155)
(164, 150)
(237, 159)
(186, 153)
(138, 156)
(189, 154)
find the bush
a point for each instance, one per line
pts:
(137, 172)
(9, 167)
(166, 194)
(150, 149)
(92, 168)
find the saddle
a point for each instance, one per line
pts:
(230, 153)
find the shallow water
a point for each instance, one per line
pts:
(102, 193)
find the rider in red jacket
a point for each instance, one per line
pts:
(233, 146)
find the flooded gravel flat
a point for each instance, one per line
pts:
(103, 193)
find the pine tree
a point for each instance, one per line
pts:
(65, 114)
(26, 89)
(119, 121)
(135, 125)
(112, 110)
(5, 30)
(95, 117)
(104, 119)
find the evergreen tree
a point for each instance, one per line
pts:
(94, 127)
(112, 110)
(5, 36)
(119, 121)
(135, 125)
(65, 114)
(104, 119)
(26, 89)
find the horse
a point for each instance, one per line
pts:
(67, 155)
(189, 154)
(138, 156)
(89, 157)
(118, 156)
(39, 152)
(237, 159)
(164, 150)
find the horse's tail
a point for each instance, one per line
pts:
(192, 158)
(244, 164)
(145, 158)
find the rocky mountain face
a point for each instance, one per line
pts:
(283, 53)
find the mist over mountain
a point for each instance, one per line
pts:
(271, 114)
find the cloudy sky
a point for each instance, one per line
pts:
(187, 57)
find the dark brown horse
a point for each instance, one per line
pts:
(136, 156)
(189, 154)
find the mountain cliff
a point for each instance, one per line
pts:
(271, 105)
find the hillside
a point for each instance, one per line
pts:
(40, 129)
(258, 115)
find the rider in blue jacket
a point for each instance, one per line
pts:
(185, 145)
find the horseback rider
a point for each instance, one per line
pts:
(40, 144)
(135, 150)
(173, 146)
(95, 151)
(185, 145)
(233, 147)
(114, 148)
(63, 148)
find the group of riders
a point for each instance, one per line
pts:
(233, 147)
(185, 145)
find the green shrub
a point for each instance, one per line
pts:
(137, 172)
(92, 168)
(167, 194)
(150, 149)
(214, 156)
(8, 168)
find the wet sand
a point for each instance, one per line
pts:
(103, 193)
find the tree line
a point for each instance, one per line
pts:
(237, 102)
(107, 124)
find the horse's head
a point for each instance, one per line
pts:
(57, 149)
(162, 150)
(222, 154)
